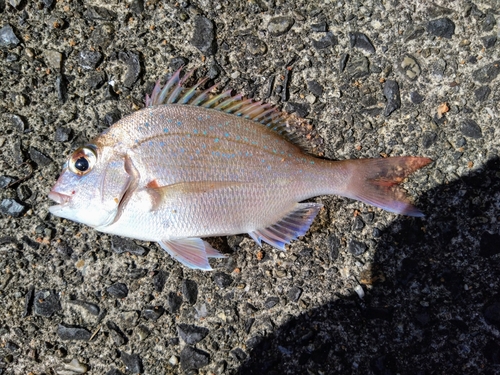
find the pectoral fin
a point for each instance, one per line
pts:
(192, 252)
(295, 224)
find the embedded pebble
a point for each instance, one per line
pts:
(11, 207)
(193, 359)
(442, 27)
(89, 59)
(358, 67)
(72, 368)
(131, 60)
(132, 362)
(294, 293)
(239, 354)
(174, 302)
(39, 158)
(7, 37)
(204, 35)
(190, 291)
(256, 46)
(487, 73)
(416, 98)
(356, 247)
(62, 88)
(124, 245)
(62, 134)
(159, 280)
(191, 334)
(271, 302)
(18, 122)
(471, 129)
(91, 308)
(116, 334)
(68, 333)
(53, 59)
(222, 280)
(280, 25)
(361, 41)
(314, 87)
(142, 332)
(391, 92)
(118, 290)
(5, 181)
(46, 303)
(328, 40)
(173, 360)
(410, 67)
(153, 313)
(489, 41)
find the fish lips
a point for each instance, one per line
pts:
(61, 199)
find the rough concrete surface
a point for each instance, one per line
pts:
(364, 292)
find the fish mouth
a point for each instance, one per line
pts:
(59, 198)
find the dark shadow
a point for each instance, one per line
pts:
(436, 310)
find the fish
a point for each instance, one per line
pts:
(192, 164)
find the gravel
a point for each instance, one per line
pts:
(364, 291)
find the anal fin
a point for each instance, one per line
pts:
(295, 224)
(191, 252)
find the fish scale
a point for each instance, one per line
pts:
(191, 165)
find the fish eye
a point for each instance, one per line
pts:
(82, 161)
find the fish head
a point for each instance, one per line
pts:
(91, 186)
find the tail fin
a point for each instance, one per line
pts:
(375, 181)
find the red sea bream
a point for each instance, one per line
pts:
(191, 165)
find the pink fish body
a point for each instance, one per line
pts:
(190, 166)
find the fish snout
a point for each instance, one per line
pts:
(59, 197)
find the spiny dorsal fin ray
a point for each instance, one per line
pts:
(176, 92)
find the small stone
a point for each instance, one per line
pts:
(489, 245)
(129, 319)
(413, 32)
(159, 280)
(7, 37)
(280, 25)
(333, 247)
(489, 22)
(271, 302)
(46, 303)
(91, 308)
(153, 313)
(95, 80)
(319, 27)
(131, 59)
(391, 92)
(482, 93)
(416, 98)
(40, 159)
(328, 40)
(70, 333)
(103, 35)
(99, 14)
(358, 67)
(48, 3)
(116, 334)
(471, 129)
(491, 314)
(487, 73)
(178, 62)
(410, 67)
(5, 181)
(361, 41)
(73, 367)
(53, 59)
(143, 332)
(11, 346)
(204, 35)
(11, 207)
(489, 41)
(256, 46)
(294, 293)
(123, 245)
(315, 87)
(174, 361)
(191, 334)
(356, 248)
(222, 280)
(118, 290)
(62, 134)
(193, 359)
(132, 362)
(28, 301)
(190, 291)
(111, 117)
(138, 273)
(343, 61)
(239, 354)
(358, 223)
(62, 88)
(18, 122)
(174, 302)
(428, 139)
(442, 27)
(89, 60)
(301, 109)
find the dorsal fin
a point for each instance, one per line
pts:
(175, 92)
